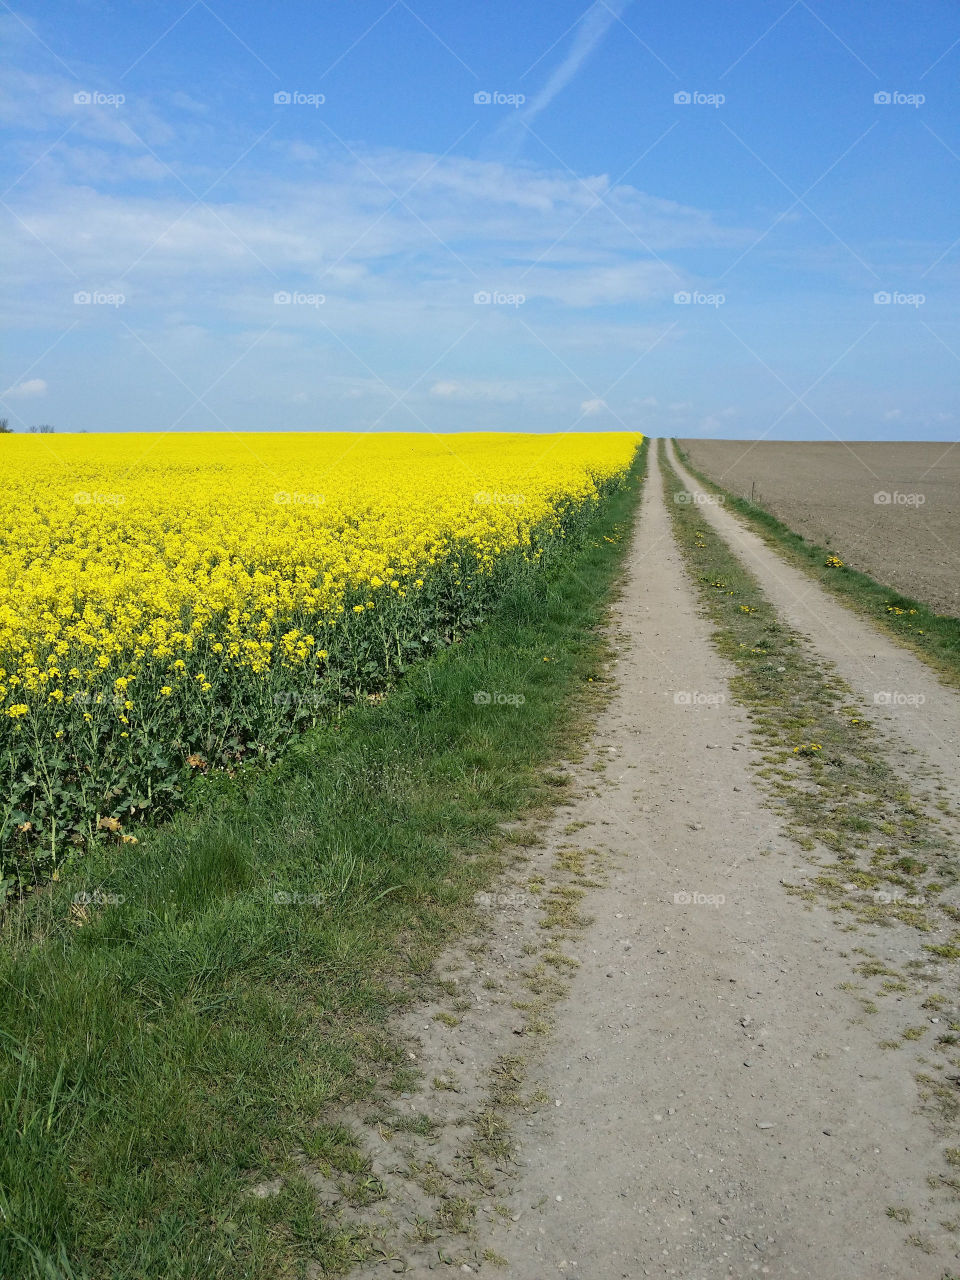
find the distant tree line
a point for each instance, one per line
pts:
(42, 429)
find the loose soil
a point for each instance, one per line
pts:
(825, 491)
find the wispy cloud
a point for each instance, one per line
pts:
(27, 390)
(591, 29)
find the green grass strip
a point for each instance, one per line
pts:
(934, 637)
(185, 1016)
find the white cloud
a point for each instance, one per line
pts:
(501, 390)
(589, 408)
(599, 286)
(28, 390)
(98, 212)
(714, 421)
(347, 233)
(188, 103)
(593, 26)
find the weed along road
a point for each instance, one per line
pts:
(706, 1032)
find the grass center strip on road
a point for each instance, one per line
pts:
(932, 636)
(825, 759)
(185, 1019)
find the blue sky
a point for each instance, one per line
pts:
(150, 167)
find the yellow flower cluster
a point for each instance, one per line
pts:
(118, 551)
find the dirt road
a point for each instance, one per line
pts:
(712, 1099)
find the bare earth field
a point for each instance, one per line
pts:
(825, 491)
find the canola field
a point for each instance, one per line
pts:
(180, 603)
